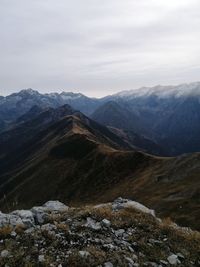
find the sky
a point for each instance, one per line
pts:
(98, 47)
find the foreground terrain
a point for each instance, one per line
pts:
(121, 233)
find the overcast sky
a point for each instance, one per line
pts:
(98, 47)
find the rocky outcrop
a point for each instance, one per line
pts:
(29, 218)
(121, 233)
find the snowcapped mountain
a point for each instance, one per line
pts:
(182, 90)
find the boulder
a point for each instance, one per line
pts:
(26, 217)
(121, 203)
(55, 206)
(93, 224)
(10, 219)
(106, 223)
(5, 253)
(84, 254)
(40, 214)
(173, 259)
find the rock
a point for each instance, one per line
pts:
(48, 227)
(173, 259)
(10, 219)
(121, 203)
(154, 241)
(5, 253)
(55, 206)
(102, 205)
(106, 223)
(13, 234)
(180, 256)
(26, 217)
(109, 246)
(108, 264)
(129, 260)
(40, 214)
(41, 258)
(119, 232)
(164, 262)
(93, 224)
(84, 254)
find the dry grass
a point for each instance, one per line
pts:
(5, 231)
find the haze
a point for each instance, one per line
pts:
(97, 47)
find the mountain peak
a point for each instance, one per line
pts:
(29, 91)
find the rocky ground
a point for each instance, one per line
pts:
(122, 233)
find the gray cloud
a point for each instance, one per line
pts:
(98, 47)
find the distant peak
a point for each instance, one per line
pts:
(68, 95)
(29, 91)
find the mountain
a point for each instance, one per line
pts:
(17, 143)
(16, 105)
(117, 115)
(168, 115)
(62, 154)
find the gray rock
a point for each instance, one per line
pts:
(5, 253)
(180, 256)
(129, 260)
(108, 264)
(109, 246)
(13, 234)
(84, 254)
(40, 214)
(173, 259)
(121, 203)
(55, 206)
(41, 258)
(164, 262)
(26, 217)
(93, 224)
(10, 219)
(48, 227)
(106, 223)
(119, 232)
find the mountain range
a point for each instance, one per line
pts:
(167, 116)
(60, 153)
